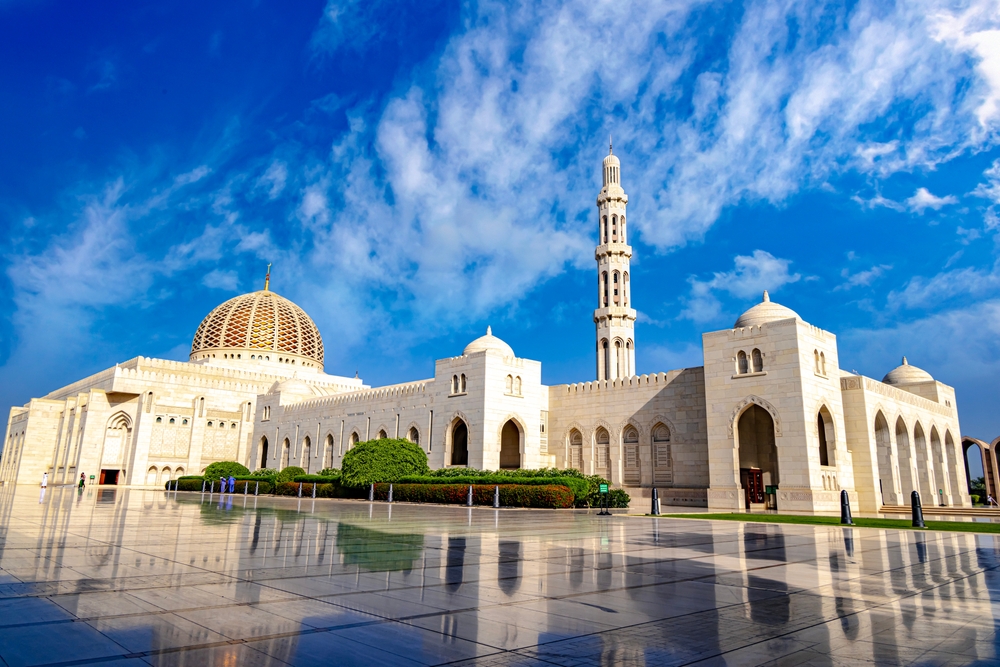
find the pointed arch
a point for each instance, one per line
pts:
(306, 453)
(328, 450)
(888, 483)
(748, 402)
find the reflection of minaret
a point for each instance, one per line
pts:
(614, 317)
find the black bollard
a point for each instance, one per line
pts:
(314, 489)
(468, 500)
(655, 511)
(916, 510)
(845, 509)
(496, 496)
(371, 492)
(390, 493)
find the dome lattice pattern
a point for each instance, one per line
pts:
(259, 321)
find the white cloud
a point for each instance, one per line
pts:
(923, 199)
(219, 279)
(862, 278)
(921, 292)
(273, 179)
(990, 189)
(975, 31)
(749, 278)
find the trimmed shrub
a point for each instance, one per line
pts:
(329, 472)
(579, 487)
(327, 490)
(319, 479)
(976, 499)
(511, 495)
(193, 483)
(382, 460)
(518, 473)
(264, 472)
(225, 469)
(289, 473)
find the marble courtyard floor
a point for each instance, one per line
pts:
(133, 577)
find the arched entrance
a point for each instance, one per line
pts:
(924, 469)
(460, 444)
(907, 474)
(510, 446)
(263, 451)
(758, 454)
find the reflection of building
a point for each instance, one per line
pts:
(770, 419)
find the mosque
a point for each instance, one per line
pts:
(769, 421)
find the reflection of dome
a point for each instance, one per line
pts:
(765, 311)
(488, 342)
(906, 374)
(259, 322)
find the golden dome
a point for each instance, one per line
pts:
(259, 322)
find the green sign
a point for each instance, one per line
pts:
(770, 490)
(604, 488)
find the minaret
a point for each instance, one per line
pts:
(614, 316)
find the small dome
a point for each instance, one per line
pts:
(488, 342)
(765, 311)
(907, 374)
(259, 322)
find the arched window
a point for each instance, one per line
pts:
(617, 297)
(630, 469)
(160, 420)
(824, 430)
(233, 425)
(210, 424)
(463, 383)
(306, 453)
(355, 439)
(614, 228)
(604, 280)
(517, 385)
(575, 458)
(816, 360)
(621, 231)
(605, 373)
(663, 471)
(628, 358)
(222, 425)
(184, 422)
(328, 452)
(822, 363)
(758, 361)
(619, 359)
(509, 384)
(454, 384)
(741, 362)
(604, 230)
(603, 441)
(413, 435)
(286, 454)
(459, 444)
(382, 434)
(173, 421)
(625, 289)
(263, 452)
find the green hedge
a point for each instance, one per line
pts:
(322, 490)
(579, 487)
(518, 473)
(191, 483)
(382, 460)
(319, 479)
(511, 495)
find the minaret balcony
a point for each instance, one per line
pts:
(613, 249)
(617, 312)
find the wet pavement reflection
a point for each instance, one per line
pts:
(139, 577)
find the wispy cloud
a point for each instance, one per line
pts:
(862, 278)
(751, 275)
(922, 200)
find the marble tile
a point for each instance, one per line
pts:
(177, 581)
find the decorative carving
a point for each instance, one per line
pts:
(753, 400)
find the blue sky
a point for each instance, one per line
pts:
(416, 171)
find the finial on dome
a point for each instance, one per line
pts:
(610, 146)
(267, 277)
(489, 330)
(767, 297)
(905, 362)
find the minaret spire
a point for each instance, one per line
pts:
(614, 317)
(267, 277)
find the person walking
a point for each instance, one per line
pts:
(45, 479)
(232, 484)
(82, 482)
